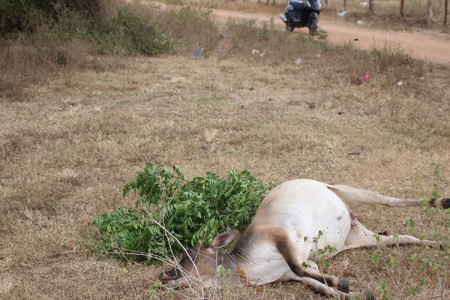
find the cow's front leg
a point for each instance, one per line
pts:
(338, 282)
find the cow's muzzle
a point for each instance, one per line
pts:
(165, 278)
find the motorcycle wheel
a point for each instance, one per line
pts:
(313, 28)
(289, 27)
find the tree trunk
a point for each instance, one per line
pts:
(371, 6)
(402, 5)
(445, 12)
(429, 11)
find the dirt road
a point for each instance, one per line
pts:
(425, 46)
(430, 47)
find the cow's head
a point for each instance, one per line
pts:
(198, 266)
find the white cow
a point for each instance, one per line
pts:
(294, 221)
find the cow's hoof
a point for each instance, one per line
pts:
(344, 285)
(369, 295)
(445, 203)
(385, 233)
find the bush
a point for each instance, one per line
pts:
(192, 28)
(140, 35)
(27, 15)
(193, 212)
(15, 15)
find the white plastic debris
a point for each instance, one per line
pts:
(298, 61)
(257, 52)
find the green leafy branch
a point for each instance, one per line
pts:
(192, 212)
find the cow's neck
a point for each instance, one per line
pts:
(235, 263)
(231, 261)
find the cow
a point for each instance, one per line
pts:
(293, 223)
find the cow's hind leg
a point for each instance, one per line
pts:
(355, 197)
(288, 249)
(359, 236)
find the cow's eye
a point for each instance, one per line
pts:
(192, 254)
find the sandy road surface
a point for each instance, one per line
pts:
(425, 46)
(430, 47)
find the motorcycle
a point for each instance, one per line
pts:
(302, 14)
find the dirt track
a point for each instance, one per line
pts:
(417, 44)
(421, 45)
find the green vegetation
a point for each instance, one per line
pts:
(29, 15)
(134, 33)
(172, 212)
(127, 27)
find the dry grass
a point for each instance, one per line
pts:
(25, 63)
(240, 5)
(74, 140)
(69, 149)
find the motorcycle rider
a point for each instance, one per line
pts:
(302, 14)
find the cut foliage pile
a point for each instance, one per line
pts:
(172, 212)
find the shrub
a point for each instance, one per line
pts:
(193, 212)
(192, 28)
(15, 15)
(140, 35)
(27, 15)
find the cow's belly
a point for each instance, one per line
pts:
(312, 214)
(328, 236)
(267, 265)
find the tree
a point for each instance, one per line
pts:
(429, 11)
(445, 12)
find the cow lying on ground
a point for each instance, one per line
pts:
(294, 221)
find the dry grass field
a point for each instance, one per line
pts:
(70, 143)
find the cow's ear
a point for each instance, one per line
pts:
(223, 239)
